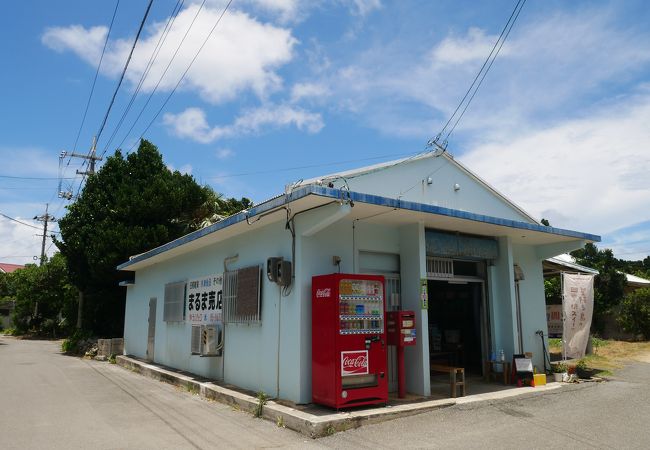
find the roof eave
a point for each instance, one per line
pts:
(344, 195)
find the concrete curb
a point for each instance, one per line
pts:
(306, 423)
(303, 422)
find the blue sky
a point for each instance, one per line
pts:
(291, 89)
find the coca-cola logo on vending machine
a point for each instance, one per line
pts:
(354, 363)
(323, 293)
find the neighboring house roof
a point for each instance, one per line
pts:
(388, 164)
(365, 206)
(565, 263)
(8, 268)
(633, 280)
(568, 261)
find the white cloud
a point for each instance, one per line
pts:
(184, 169)
(224, 153)
(288, 10)
(85, 42)
(630, 243)
(302, 91)
(29, 162)
(19, 243)
(242, 54)
(544, 72)
(363, 7)
(593, 170)
(192, 123)
(476, 45)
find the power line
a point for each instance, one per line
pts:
(126, 66)
(45, 218)
(35, 178)
(18, 221)
(486, 71)
(91, 155)
(145, 73)
(487, 64)
(185, 73)
(92, 89)
(83, 120)
(198, 11)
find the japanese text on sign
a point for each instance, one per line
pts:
(204, 300)
(578, 307)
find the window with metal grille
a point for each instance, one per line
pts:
(440, 267)
(242, 295)
(174, 308)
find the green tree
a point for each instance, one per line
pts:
(635, 312)
(609, 284)
(553, 291)
(45, 300)
(131, 205)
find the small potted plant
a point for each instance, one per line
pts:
(559, 371)
(582, 370)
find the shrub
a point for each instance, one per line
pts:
(559, 367)
(635, 312)
(71, 344)
(582, 369)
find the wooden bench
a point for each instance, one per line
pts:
(456, 377)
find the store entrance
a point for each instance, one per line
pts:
(455, 324)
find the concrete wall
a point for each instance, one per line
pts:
(250, 351)
(413, 267)
(533, 303)
(501, 298)
(408, 181)
(315, 255)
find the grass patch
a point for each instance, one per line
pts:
(262, 399)
(192, 389)
(608, 355)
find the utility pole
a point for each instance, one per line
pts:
(92, 157)
(45, 218)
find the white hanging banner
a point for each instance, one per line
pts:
(577, 308)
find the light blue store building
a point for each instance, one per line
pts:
(425, 220)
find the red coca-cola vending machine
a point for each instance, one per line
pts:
(348, 340)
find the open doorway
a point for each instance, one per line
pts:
(455, 324)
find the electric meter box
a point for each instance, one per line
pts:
(400, 328)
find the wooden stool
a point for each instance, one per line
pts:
(456, 377)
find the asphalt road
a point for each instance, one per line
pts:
(607, 415)
(52, 401)
(48, 400)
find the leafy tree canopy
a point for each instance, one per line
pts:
(131, 205)
(609, 284)
(44, 299)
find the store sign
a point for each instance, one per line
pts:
(354, 363)
(578, 307)
(204, 300)
(554, 320)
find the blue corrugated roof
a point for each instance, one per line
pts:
(355, 197)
